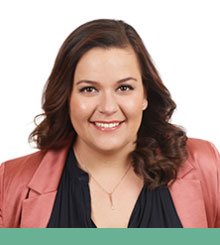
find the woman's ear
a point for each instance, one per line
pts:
(145, 104)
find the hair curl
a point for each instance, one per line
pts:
(160, 146)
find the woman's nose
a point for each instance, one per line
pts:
(108, 104)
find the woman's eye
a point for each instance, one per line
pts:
(87, 89)
(126, 88)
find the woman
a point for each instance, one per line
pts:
(109, 157)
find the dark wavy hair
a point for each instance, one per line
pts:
(160, 146)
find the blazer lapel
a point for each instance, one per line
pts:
(188, 198)
(36, 210)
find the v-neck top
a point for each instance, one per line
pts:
(72, 206)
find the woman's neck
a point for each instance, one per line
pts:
(101, 163)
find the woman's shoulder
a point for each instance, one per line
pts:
(203, 155)
(30, 158)
(198, 148)
(194, 144)
(22, 166)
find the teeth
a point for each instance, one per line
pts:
(107, 125)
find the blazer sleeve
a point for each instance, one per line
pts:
(217, 160)
(1, 193)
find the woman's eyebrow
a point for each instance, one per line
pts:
(94, 82)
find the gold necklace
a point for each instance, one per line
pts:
(108, 193)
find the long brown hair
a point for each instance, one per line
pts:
(160, 147)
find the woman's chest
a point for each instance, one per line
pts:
(114, 211)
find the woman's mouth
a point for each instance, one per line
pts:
(107, 126)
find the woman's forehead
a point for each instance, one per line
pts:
(111, 62)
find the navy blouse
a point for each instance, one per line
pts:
(72, 206)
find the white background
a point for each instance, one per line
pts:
(182, 36)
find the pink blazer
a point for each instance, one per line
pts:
(28, 186)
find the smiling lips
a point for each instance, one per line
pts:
(107, 126)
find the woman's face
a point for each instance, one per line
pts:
(108, 99)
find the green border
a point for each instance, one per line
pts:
(110, 236)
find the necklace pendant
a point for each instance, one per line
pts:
(111, 201)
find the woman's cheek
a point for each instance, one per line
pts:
(133, 107)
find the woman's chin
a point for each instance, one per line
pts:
(107, 150)
(116, 148)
